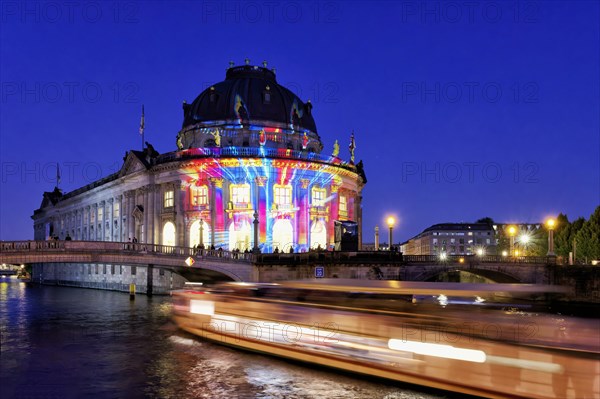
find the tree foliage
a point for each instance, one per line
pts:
(487, 220)
(588, 238)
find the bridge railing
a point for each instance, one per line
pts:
(110, 246)
(266, 258)
(475, 259)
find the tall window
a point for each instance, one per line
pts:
(283, 195)
(169, 199)
(100, 214)
(318, 196)
(240, 193)
(199, 195)
(343, 204)
(117, 210)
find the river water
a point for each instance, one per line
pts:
(59, 342)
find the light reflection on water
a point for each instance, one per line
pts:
(69, 342)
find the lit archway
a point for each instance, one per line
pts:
(168, 236)
(195, 234)
(318, 235)
(240, 238)
(283, 235)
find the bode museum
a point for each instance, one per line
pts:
(247, 157)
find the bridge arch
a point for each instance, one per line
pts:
(455, 274)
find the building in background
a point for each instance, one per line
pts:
(529, 239)
(453, 239)
(248, 154)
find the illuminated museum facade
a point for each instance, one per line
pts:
(248, 154)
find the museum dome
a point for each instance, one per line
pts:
(249, 94)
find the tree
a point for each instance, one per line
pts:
(487, 220)
(562, 234)
(588, 238)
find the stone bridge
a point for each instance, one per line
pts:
(254, 267)
(72, 262)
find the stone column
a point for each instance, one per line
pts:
(110, 209)
(180, 233)
(303, 214)
(145, 196)
(81, 222)
(213, 213)
(120, 220)
(130, 195)
(88, 214)
(94, 224)
(150, 214)
(102, 206)
(156, 214)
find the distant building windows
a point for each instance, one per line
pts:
(318, 196)
(199, 195)
(117, 210)
(169, 199)
(100, 214)
(240, 195)
(282, 195)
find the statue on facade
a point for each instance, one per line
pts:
(352, 147)
(304, 141)
(152, 153)
(336, 149)
(217, 138)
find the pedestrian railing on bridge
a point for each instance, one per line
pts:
(346, 257)
(54, 246)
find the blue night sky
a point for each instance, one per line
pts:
(459, 111)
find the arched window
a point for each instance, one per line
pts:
(168, 237)
(240, 236)
(283, 235)
(318, 235)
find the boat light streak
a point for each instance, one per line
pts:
(437, 350)
(202, 307)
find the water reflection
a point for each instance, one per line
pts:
(61, 342)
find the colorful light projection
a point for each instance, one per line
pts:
(296, 200)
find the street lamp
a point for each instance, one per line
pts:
(376, 238)
(512, 230)
(200, 234)
(524, 241)
(390, 222)
(550, 224)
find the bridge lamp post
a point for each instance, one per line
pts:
(512, 230)
(255, 222)
(525, 239)
(376, 238)
(550, 224)
(390, 222)
(201, 234)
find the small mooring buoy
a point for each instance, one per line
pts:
(132, 291)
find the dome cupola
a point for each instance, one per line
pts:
(249, 108)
